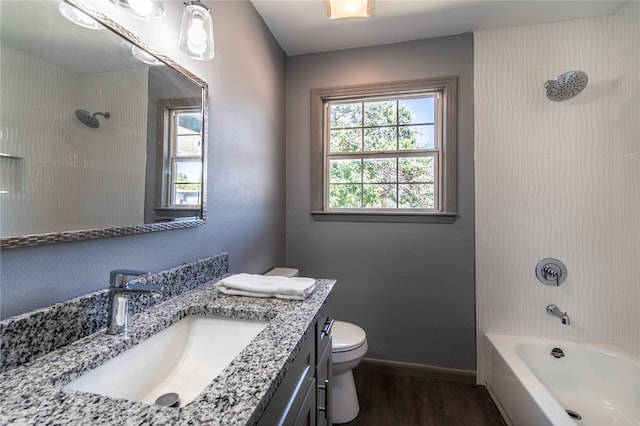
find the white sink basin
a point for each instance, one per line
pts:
(183, 358)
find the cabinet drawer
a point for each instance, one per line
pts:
(284, 407)
(323, 384)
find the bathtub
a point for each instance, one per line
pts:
(598, 383)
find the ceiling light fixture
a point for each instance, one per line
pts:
(143, 9)
(78, 17)
(196, 31)
(338, 9)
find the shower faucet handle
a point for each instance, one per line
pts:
(551, 272)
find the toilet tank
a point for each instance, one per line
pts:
(284, 272)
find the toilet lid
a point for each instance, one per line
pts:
(346, 336)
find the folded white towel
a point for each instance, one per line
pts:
(295, 288)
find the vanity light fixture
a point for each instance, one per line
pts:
(78, 17)
(143, 56)
(143, 9)
(196, 31)
(338, 9)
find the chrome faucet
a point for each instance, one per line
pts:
(556, 312)
(119, 288)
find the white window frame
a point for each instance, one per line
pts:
(446, 124)
(169, 109)
(174, 158)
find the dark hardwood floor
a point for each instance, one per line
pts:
(394, 400)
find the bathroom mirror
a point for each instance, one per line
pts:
(100, 135)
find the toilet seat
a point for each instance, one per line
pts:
(346, 337)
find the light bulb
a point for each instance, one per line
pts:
(78, 17)
(196, 32)
(198, 49)
(144, 56)
(141, 7)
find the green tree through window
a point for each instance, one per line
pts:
(381, 153)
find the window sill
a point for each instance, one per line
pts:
(377, 216)
(178, 211)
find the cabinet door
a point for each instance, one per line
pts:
(323, 330)
(285, 404)
(323, 381)
(307, 414)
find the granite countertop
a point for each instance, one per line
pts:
(33, 393)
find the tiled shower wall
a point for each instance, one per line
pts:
(558, 180)
(65, 161)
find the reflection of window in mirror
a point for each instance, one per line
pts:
(176, 174)
(184, 163)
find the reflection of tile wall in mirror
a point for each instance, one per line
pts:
(11, 174)
(79, 182)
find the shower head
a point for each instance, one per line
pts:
(90, 120)
(566, 86)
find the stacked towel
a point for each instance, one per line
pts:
(295, 288)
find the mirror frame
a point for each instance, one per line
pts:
(88, 234)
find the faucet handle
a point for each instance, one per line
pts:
(120, 277)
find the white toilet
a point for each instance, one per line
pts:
(349, 345)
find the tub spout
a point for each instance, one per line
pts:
(556, 312)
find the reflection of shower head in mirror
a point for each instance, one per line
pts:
(90, 120)
(566, 86)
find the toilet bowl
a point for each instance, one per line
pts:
(349, 345)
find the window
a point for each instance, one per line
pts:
(385, 152)
(185, 160)
(179, 162)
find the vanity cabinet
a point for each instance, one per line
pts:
(304, 396)
(323, 366)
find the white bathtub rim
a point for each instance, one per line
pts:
(536, 390)
(608, 349)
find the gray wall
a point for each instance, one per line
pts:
(410, 286)
(246, 174)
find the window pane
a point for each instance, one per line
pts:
(380, 196)
(345, 140)
(188, 145)
(380, 170)
(416, 169)
(417, 137)
(190, 121)
(380, 139)
(416, 196)
(188, 182)
(345, 171)
(188, 171)
(381, 113)
(345, 196)
(188, 134)
(345, 115)
(416, 111)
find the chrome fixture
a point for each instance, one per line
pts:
(119, 287)
(196, 31)
(90, 120)
(556, 312)
(566, 86)
(78, 17)
(551, 272)
(557, 353)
